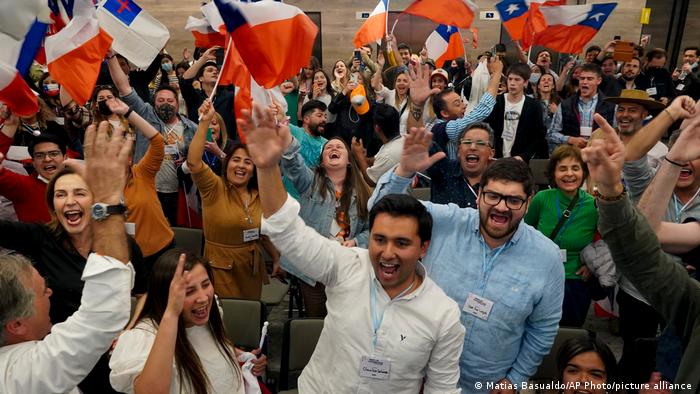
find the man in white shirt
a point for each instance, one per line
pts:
(386, 127)
(389, 327)
(36, 358)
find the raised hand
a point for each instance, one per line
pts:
(266, 141)
(357, 148)
(117, 106)
(381, 60)
(687, 147)
(605, 158)
(206, 111)
(106, 160)
(415, 155)
(210, 54)
(419, 86)
(178, 288)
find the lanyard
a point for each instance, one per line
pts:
(568, 221)
(377, 320)
(470, 188)
(680, 209)
(488, 263)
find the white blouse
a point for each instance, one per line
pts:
(133, 347)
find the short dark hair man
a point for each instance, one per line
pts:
(386, 128)
(689, 84)
(482, 259)
(573, 121)
(458, 181)
(516, 119)
(372, 294)
(28, 192)
(405, 53)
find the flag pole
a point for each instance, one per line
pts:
(386, 20)
(218, 78)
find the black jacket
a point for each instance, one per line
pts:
(530, 135)
(570, 115)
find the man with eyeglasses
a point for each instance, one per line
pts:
(458, 181)
(28, 192)
(507, 277)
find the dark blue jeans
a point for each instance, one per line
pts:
(577, 300)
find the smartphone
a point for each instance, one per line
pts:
(220, 56)
(358, 55)
(210, 138)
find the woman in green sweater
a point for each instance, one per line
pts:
(566, 173)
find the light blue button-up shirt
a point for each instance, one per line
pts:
(524, 278)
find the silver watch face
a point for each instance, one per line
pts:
(99, 211)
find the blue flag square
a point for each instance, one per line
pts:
(124, 10)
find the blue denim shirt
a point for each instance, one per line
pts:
(524, 278)
(318, 212)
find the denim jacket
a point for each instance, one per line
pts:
(146, 111)
(319, 212)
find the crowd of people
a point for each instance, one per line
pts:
(463, 291)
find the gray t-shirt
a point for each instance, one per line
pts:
(166, 179)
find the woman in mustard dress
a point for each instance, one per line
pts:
(231, 217)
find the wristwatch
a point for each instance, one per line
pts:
(101, 211)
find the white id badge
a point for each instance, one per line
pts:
(252, 234)
(651, 91)
(375, 367)
(680, 87)
(562, 254)
(171, 149)
(478, 306)
(586, 131)
(130, 228)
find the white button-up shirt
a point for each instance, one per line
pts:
(420, 333)
(63, 358)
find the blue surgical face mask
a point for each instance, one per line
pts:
(534, 78)
(167, 67)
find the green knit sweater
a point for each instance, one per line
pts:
(575, 234)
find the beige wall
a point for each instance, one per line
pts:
(339, 23)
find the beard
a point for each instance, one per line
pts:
(629, 77)
(317, 129)
(493, 232)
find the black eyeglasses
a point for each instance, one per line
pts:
(512, 202)
(52, 154)
(478, 143)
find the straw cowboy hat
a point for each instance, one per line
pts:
(640, 97)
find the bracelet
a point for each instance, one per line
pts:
(127, 113)
(613, 198)
(669, 114)
(675, 163)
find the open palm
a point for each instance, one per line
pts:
(419, 87)
(415, 155)
(266, 141)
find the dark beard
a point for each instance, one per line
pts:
(628, 78)
(315, 129)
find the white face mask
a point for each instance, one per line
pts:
(534, 78)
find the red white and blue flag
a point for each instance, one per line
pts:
(514, 15)
(204, 35)
(458, 13)
(374, 27)
(274, 39)
(443, 44)
(15, 93)
(566, 28)
(137, 35)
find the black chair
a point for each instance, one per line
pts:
(243, 320)
(298, 344)
(191, 239)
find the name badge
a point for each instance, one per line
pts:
(680, 87)
(651, 91)
(252, 234)
(171, 149)
(375, 368)
(478, 306)
(130, 228)
(586, 131)
(562, 254)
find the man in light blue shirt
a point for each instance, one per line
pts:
(507, 277)
(310, 137)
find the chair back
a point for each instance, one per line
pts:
(191, 239)
(243, 320)
(298, 344)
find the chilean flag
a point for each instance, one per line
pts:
(75, 54)
(374, 27)
(514, 14)
(16, 93)
(444, 43)
(566, 28)
(204, 35)
(458, 13)
(275, 39)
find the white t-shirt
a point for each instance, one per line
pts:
(511, 118)
(133, 347)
